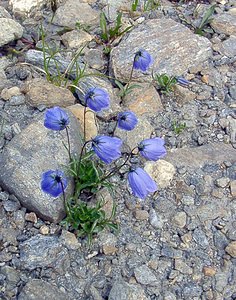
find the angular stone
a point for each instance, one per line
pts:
(35, 150)
(231, 249)
(161, 171)
(31, 217)
(69, 240)
(73, 11)
(109, 249)
(41, 92)
(6, 93)
(227, 47)
(233, 188)
(95, 59)
(40, 290)
(23, 8)
(76, 39)
(145, 276)
(10, 31)
(211, 211)
(43, 251)
(183, 95)
(91, 129)
(124, 291)
(44, 230)
(224, 23)
(173, 46)
(181, 266)
(141, 214)
(222, 182)
(212, 153)
(209, 271)
(180, 219)
(144, 100)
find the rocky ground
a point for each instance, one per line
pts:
(179, 243)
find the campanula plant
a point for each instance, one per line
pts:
(142, 61)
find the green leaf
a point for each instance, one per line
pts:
(103, 26)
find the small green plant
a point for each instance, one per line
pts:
(88, 220)
(165, 83)
(84, 27)
(125, 89)
(207, 18)
(109, 33)
(147, 6)
(178, 127)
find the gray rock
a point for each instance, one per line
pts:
(155, 219)
(43, 251)
(197, 157)
(227, 47)
(173, 46)
(191, 290)
(24, 8)
(73, 11)
(181, 266)
(10, 30)
(12, 275)
(220, 240)
(232, 89)
(37, 289)
(145, 276)
(222, 182)
(224, 23)
(180, 219)
(200, 238)
(35, 150)
(124, 291)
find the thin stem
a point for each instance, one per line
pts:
(114, 129)
(127, 86)
(63, 193)
(81, 153)
(85, 122)
(119, 167)
(68, 140)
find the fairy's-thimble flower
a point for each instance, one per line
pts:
(127, 120)
(142, 60)
(141, 183)
(152, 149)
(56, 119)
(107, 148)
(97, 99)
(53, 182)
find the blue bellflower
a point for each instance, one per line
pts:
(152, 149)
(107, 148)
(53, 182)
(182, 81)
(142, 60)
(141, 183)
(97, 99)
(56, 119)
(127, 120)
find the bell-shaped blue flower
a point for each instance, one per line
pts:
(127, 120)
(152, 149)
(142, 60)
(182, 81)
(97, 99)
(107, 148)
(141, 183)
(56, 119)
(53, 182)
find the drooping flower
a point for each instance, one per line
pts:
(107, 148)
(127, 120)
(53, 182)
(56, 119)
(182, 81)
(141, 183)
(152, 149)
(142, 60)
(97, 99)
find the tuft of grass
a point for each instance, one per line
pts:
(164, 82)
(147, 6)
(178, 127)
(87, 221)
(206, 19)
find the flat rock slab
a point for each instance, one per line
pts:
(224, 23)
(37, 289)
(173, 46)
(10, 31)
(43, 251)
(124, 291)
(213, 153)
(35, 150)
(73, 11)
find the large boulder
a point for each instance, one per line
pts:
(174, 48)
(10, 31)
(35, 150)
